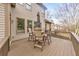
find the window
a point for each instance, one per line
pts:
(37, 24)
(20, 25)
(38, 17)
(29, 25)
(28, 6)
(21, 4)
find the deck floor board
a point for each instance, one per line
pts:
(58, 47)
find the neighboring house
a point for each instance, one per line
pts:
(25, 16)
(52, 26)
(48, 25)
(60, 28)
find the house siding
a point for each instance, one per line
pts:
(2, 21)
(4, 28)
(22, 12)
(35, 9)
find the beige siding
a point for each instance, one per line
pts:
(7, 19)
(35, 9)
(52, 27)
(4, 28)
(2, 21)
(22, 12)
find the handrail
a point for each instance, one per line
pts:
(76, 36)
(3, 41)
(75, 42)
(4, 46)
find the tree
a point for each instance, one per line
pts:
(49, 14)
(69, 15)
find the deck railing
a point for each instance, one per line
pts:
(75, 41)
(4, 46)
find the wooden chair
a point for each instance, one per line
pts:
(48, 37)
(31, 35)
(39, 40)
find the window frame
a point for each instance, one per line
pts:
(17, 30)
(25, 6)
(28, 26)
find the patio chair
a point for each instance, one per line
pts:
(31, 35)
(48, 37)
(39, 40)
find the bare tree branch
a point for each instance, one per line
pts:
(69, 14)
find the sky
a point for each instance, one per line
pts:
(52, 7)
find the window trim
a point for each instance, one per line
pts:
(17, 25)
(29, 6)
(31, 24)
(24, 5)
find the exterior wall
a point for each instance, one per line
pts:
(52, 27)
(35, 9)
(4, 20)
(22, 12)
(7, 19)
(48, 26)
(4, 28)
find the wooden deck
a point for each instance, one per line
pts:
(58, 47)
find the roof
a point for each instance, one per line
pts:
(13, 5)
(42, 5)
(48, 21)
